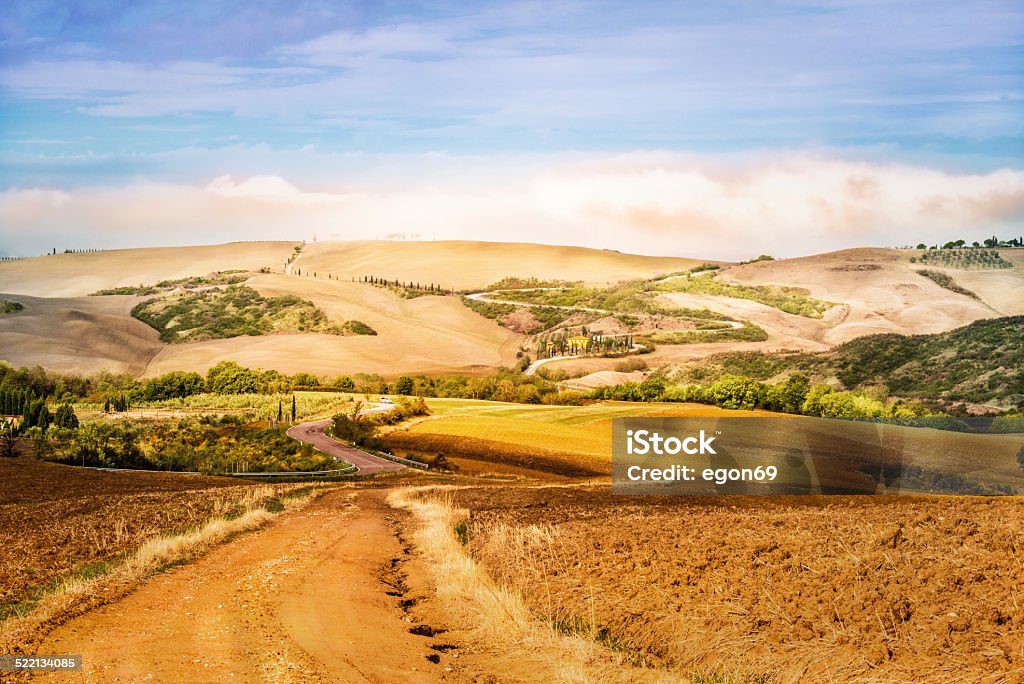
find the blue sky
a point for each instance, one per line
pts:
(356, 95)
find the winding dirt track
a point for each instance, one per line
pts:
(313, 433)
(300, 601)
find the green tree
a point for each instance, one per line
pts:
(280, 410)
(736, 392)
(355, 428)
(837, 405)
(404, 385)
(293, 408)
(227, 377)
(304, 380)
(65, 417)
(345, 383)
(651, 389)
(43, 416)
(793, 393)
(812, 404)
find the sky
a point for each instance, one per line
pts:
(722, 130)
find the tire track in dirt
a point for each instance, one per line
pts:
(300, 601)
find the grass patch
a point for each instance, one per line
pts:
(792, 300)
(358, 328)
(944, 280)
(236, 311)
(190, 283)
(462, 532)
(748, 333)
(9, 307)
(490, 310)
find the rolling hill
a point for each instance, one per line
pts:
(876, 291)
(463, 265)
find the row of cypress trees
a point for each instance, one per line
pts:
(36, 414)
(13, 402)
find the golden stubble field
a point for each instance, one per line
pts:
(787, 589)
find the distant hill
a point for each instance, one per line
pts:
(877, 293)
(982, 362)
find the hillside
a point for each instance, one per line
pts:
(80, 335)
(429, 334)
(80, 274)
(874, 291)
(234, 311)
(883, 291)
(979, 363)
(464, 265)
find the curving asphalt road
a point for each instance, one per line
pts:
(313, 433)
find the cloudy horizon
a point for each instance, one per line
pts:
(671, 128)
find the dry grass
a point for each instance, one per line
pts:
(498, 617)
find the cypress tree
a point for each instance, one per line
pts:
(28, 416)
(43, 417)
(293, 408)
(280, 410)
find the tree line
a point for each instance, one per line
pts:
(796, 395)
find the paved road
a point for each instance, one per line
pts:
(313, 433)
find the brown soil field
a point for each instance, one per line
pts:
(460, 264)
(59, 520)
(786, 589)
(77, 275)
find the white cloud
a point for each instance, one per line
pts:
(272, 190)
(653, 202)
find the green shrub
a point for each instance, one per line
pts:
(944, 280)
(236, 311)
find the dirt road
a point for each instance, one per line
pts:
(313, 433)
(302, 600)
